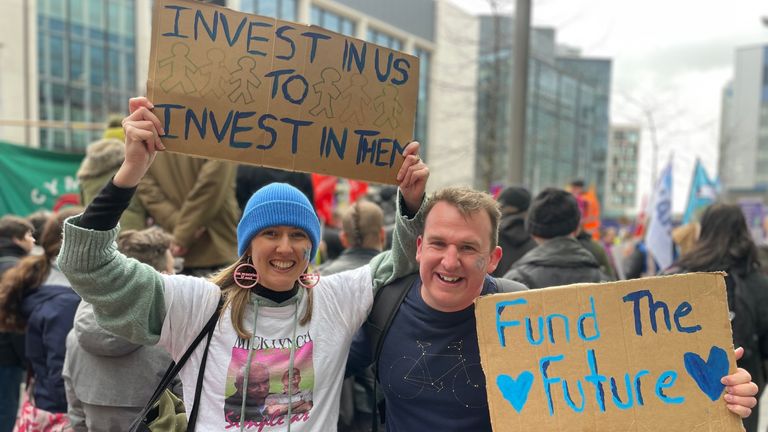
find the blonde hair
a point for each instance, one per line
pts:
(236, 298)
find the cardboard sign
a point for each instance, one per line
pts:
(640, 355)
(258, 90)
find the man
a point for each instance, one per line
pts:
(514, 239)
(194, 200)
(559, 259)
(362, 235)
(433, 332)
(256, 394)
(16, 241)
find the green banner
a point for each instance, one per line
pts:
(36, 179)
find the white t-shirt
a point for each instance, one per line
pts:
(341, 304)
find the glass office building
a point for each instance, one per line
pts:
(567, 116)
(86, 58)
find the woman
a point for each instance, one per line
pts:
(36, 298)
(273, 318)
(725, 244)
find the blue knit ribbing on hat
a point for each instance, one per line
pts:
(273, 205)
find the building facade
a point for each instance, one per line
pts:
(622, 171)
(743, 163)
(80, 60)
(567, 116)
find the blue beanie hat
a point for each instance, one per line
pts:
(273, 205)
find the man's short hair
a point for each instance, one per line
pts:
(553, 213)
(362, 223)
(15, 227)
(468, 201)
(148, 246)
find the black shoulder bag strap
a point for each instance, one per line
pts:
(386, 303)
(140, 423)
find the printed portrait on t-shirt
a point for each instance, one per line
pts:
(265, 389)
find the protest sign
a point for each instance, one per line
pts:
(639, 355)
(258, 90)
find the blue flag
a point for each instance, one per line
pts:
(659, 236)
(703, 192)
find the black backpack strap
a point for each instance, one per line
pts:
(386, 303)
(174, 369)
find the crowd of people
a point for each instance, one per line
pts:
(93, 310)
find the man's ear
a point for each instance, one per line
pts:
(496, 255)
(344, 239)
(382, 238)
(419, 243)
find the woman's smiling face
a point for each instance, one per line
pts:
(280, 254)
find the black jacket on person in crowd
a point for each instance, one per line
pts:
(11, 344)
(558, 261)
(515, 241)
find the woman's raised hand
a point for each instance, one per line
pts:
(142, 142)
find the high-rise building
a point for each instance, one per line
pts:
(622, 171)
(743, 163)
(567, 110)
(68, 64)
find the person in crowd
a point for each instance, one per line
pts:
(514, 239)
(36, 298)
(38, 220)
(252, 178)
(363, 237)
(102, 159)
(686, 236)
(16, 241)
(300, 400)
(559, 259)
(272, 311)
(456, 252)
(725, 244)
(99, 362)
(598, 251)
(194, 200)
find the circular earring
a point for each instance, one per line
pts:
(309, 280)
(246, 275)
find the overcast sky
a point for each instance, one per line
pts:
(672, 57)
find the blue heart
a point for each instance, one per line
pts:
(708, 374)
(515, 391)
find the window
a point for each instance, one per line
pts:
(422, 107)
(281, 9)
(384, 39)
(86, 68)
(331, 21)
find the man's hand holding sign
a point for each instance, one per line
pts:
(649, 354)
